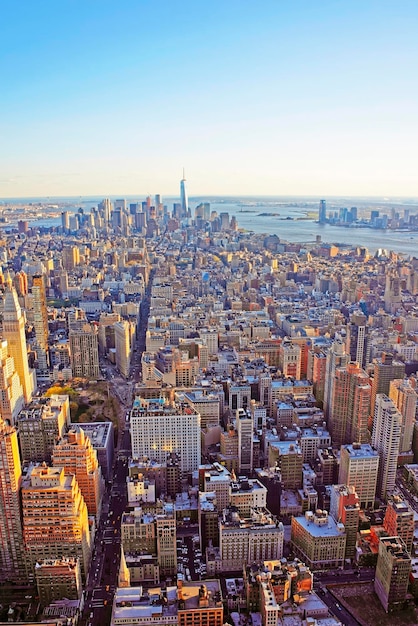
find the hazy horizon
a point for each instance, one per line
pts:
(215, 197)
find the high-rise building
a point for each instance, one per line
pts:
(102, 440)
(11, 391)
(244, 426)
(40, 324)
(247, 495)
(258, 415)
(206, 404)
(393, 292)
(70, 257)
(77, 456)
(20, 281)
(318, 540)
(165, 532)
(62, 279)
(65, 220)
(345, 508)
(322, 213)
(123, 347)
(239, 396)
(311, 440)
(217, 479)
(392, 573)
(326, 467)
(255, 538)
(349, 410)
(40, 425)
(228, 453)
(105, 208)
(386, 436)
(210, 338)
(208, 520)
(152, 534)
(14, 334)
(405, 399)
(12, 554)
(55, 517)
(358, 339)
(288, 458)
(84, 348)
(224, 218)
(57, 579)
(23, 226)
(290, 359)
(317, 362)
(399, 521)
(359, 466)
(184, 201)
(40, 313)
(337, 357)
(385, 370)
(159, 427)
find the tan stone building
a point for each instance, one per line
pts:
(200, 604)
(318, 540)
(152, 534)
(257, 537)
(40, 425)
(84, 349)
(11, 391)
(75, 453)
(12, 554)
(57, 579)
(288, 457)
(392, 573)
(14, 334)
(55, 518)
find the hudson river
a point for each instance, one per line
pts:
(306, 230)
(302, 226)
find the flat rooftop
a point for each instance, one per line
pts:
(363, 450)
(97, 432)
(329, 529)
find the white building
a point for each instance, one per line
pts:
(159, 427)
(386, 437)
(359, 465)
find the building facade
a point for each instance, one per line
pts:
(158, 428)
(55, 518)
(392, 573)
(318, 540)
(386, 437)
(359, 466)
(12, 553)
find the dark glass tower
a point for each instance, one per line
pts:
(322, 215)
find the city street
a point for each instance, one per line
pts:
(102, 578)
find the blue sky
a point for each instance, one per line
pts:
(268, 97)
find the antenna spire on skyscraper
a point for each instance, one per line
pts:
(183, 196)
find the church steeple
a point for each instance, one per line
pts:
(124, 577)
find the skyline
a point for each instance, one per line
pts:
(294, 100)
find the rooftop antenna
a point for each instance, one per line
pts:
(184, 177)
